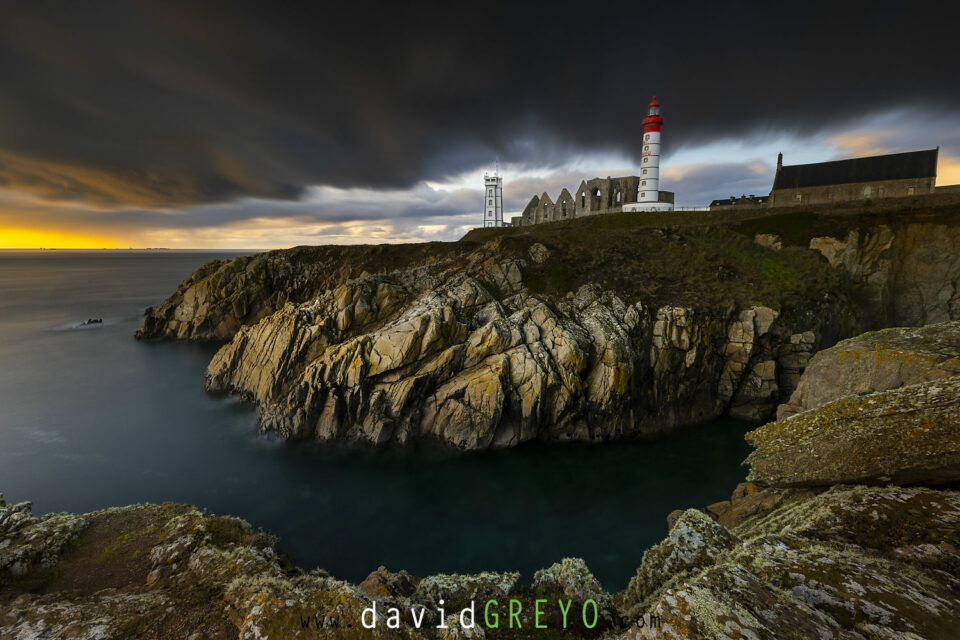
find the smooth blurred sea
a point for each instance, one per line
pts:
(91, 418)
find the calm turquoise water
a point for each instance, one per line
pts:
(91, 418)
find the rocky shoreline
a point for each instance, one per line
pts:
(803, 549)
(489, 344)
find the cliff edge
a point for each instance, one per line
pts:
(490, 343)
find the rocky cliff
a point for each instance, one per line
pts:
(550, 334)
(498, 342)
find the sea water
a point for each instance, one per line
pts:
(91, 418)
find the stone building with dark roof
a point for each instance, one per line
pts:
(887, 176)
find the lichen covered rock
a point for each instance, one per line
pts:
(571, 579)
(853, 562)
(877, 361)
(694, 542)
(909, 435)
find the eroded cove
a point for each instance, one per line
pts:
(94, 419)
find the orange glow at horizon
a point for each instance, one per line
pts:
(21, 238)
(948, 171)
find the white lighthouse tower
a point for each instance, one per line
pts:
(649, 196)
(493, 199)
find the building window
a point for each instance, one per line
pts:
(618, 196)
(646, 159)
(643, 183)
(910, 191)
(489, 192)
(867, 191)
(646, 137)
(490, 201)
(583, 198)
(643, 194)
(644, 172)
(646, 147)
(799, 198)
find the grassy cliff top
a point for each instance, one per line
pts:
(700, 257)
(693, 259)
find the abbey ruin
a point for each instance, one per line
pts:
(599, 195)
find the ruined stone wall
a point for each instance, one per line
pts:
(592, 197)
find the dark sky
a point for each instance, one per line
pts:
(153, 104)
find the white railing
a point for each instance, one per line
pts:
(691, 208)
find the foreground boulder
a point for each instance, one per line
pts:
(853, 562)
(877, 361)
(909, 435)
(695, 542)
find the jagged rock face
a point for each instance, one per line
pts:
(167, 571)
(909, 435)
(908, 275)
(30, 545)
(172, 571)
(385, 584)
(849, 563)
(224, 295)
(695, 541)
(471, 358)
(877, 361)
(572, 580)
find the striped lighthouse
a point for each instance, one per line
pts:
(649, 196)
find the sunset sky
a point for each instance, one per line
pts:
(261, 125)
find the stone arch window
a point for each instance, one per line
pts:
(583, 198)
(597, 193)
(618, 197)
(910, 191)
(867, 191)
(563, 209)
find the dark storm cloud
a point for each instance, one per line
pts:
(170, 103)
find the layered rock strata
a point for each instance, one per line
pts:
(473, 359)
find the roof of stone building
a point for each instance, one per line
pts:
(894, 166)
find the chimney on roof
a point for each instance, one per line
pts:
(779, 162)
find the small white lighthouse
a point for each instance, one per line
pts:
(649, 196)
(493, 199)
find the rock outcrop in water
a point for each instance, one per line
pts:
(473, 359)
(465, 348)
(542, 334)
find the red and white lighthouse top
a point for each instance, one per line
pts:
(653, 121)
